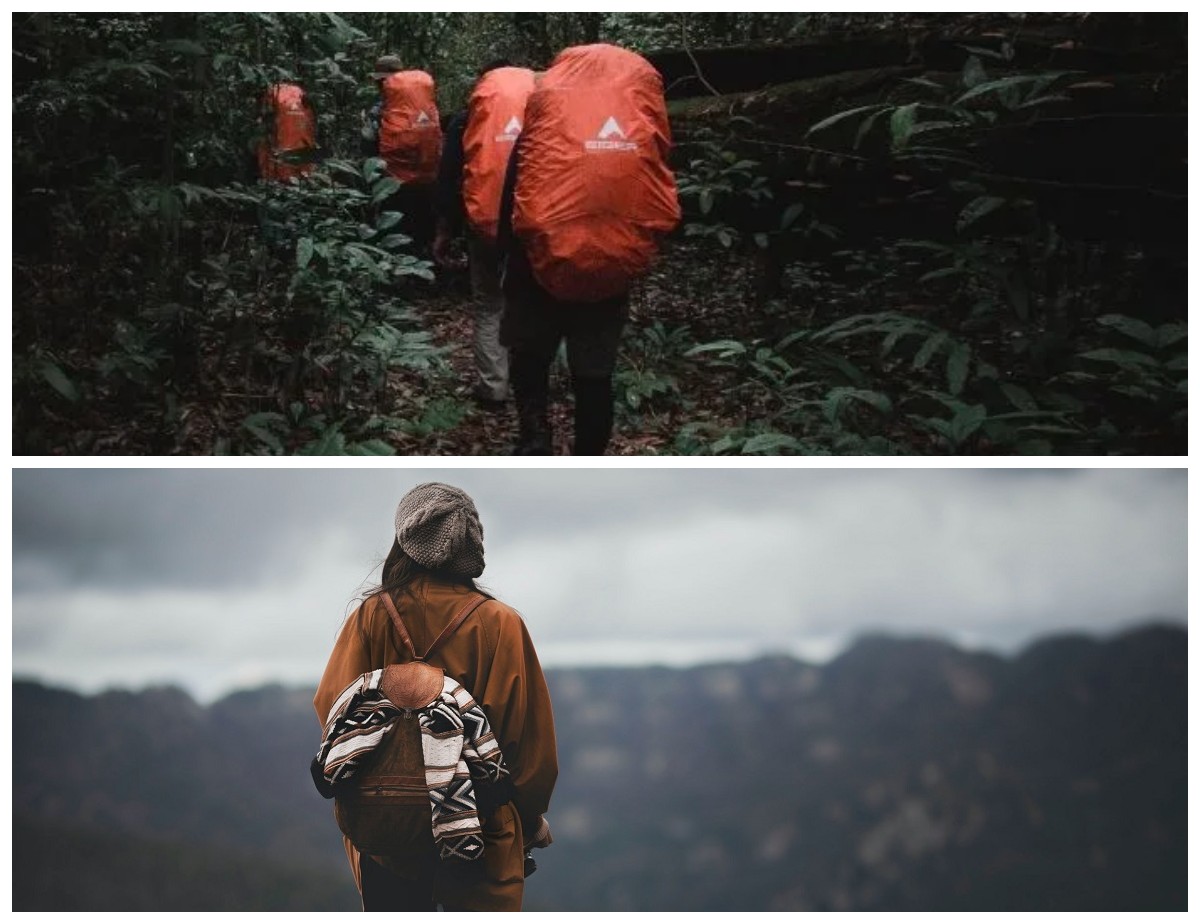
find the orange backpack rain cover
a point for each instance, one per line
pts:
(496, 114)
(410, 132)
(294, 128)
(593, 185)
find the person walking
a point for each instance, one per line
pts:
(404, 129)
(427, 584)
(587, 195)
(475, 154)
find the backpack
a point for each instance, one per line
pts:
(593, 187)
(293, 129)
(410, 132)
(384, 808)
(496, 112)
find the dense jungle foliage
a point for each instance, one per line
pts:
(903, 233)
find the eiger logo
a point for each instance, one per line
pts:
(610, 128)
(611, 137)
(511, 131)
(422, 118)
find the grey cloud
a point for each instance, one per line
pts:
(228, 576)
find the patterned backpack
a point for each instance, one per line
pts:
(410, 759)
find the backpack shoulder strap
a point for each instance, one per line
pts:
(473, 602)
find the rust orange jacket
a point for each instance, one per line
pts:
(492, 655)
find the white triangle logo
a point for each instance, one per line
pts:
(422, 117)
(610, 129)
(513, 127)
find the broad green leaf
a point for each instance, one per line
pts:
(790, 214)
(836, 399)
(982, 52)
(1043, 100)
(890, 341)
(794, 337)
(966, 422)
(977, 208)
(1008, 83)
(329, 443)
(1018, 397)
(957, 364)
(725, 347)
(383, 188)
(1171, 333)
(57, 379)
(344, 28)
(1128, 358)
(848, 370)
(258, 424)
(1135, 328)
(902, 121)
(841, 116)
(924, 82)
(944, 273)
(973, 72)
(865, 128)
(706, 201)
(770, 444)
(304, 252)
(373, 168)
(931, 345)
(922, 128)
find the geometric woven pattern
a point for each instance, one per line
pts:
(461, 755)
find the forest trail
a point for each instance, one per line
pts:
(902, 234)
(445, 310)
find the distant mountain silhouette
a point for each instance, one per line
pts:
(904, 775)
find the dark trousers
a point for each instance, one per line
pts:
(533, 326)
(415, 203)
(385, 891)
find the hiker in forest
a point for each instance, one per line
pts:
(478, 145)
(587, 194)
(468, 848)
(288, 140)
(403, 128)
(285, 152)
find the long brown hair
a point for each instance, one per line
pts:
(400, 571)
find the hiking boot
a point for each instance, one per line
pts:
(538, 446)
(533, 435)
(487, 402)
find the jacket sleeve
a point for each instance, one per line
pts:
(350, 658)
(518, 702)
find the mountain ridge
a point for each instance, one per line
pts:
(901, 775)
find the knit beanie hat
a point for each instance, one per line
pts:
(438, 526)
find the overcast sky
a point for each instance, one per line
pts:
(218, 579)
